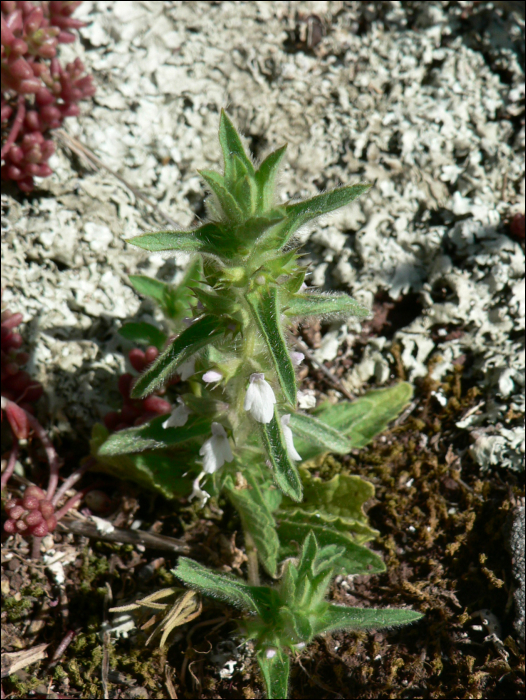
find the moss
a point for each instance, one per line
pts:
(23, 688)
(16, 607)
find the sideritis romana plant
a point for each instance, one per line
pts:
(252, 287)
(236, 428)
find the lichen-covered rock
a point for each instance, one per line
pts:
(424, 99)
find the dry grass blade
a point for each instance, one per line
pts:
(149, 601)
(184, 610)
(16, 661)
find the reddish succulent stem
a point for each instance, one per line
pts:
(35, 547)
(51, 454)
(17, 125)
(10, 468)
(71, 502)
(72, 480)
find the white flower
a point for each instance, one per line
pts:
(212, 376)
(297, 358)
(287, 434)
(216, 450)
(178, 416)
(197, 492)
(187, 368)
(260, 399)
(271, 652)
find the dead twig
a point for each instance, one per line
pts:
(13, 662)
(135, 537)
(84, 152)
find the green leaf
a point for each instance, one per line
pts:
(153, 436)
(321, 304)
(363, 419)
(338, 617)
(230, 207)
(207, 239)
(175, 301)
(253, 227)
(257, 519)
(231, 146)
(275, 672)
(229, 589)
(294, 282)
(245, 188)
(143, 333)
(148, 286)
(216, 303)
(266, 178)
(301, 212)
(192, 339)
(319, 433)
(165, 472)
(285, 472)
(265, 306)
(295, 526)
(344, 496)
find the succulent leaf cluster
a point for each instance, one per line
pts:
(38, 93)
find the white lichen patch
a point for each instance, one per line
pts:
(425, 106)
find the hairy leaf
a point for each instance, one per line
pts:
(363, 419)
(321, 304)
(230, 207)
(266, 178)
(175, 301)
(295, 526)
(153, 436)
(208, 239)
(192, 339)
(148, 286)
(319, 433)
(344, 496)
(231, 146)
(160, 471)
(265, 307)
(338, 617)
(257, 519)
(230, 589)
(275, 671)
(285, 472)
(143, 333)
(301, 212)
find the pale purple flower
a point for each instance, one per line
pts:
(178, 416)
(212, 376)
(289, 441)
(297, 358)
(216, 450)
(187, 368)
(260, 399)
